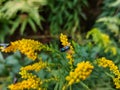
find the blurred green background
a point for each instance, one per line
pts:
(44, 20)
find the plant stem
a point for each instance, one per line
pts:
(70, 87)
(109, 74)
(84, 85)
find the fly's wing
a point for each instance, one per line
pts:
(4, 45)
(15, 80)
(67, 47)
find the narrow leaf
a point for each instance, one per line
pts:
(32, 24)
(23, 26)
(15, 25)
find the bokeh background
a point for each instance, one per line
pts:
(93, 24)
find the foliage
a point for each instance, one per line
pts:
(102, 40)
(66, 15)
(79, 66)
(10, 66)
(91, 65)
(109, 20)
(4, 29)
(110, 8)
(25, 13)
(20, 13)
(112, 23)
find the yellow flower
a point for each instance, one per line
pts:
(110, 64)
(36, 66)
(81, 72)
(117, 82)
(25, 46)
(31, 83)
(70, 52)
(64, 40)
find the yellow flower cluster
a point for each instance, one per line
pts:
(117, 82)
(110, 64)
(25, 46)
(81, 72)
(64, 41)
(31, 83)
(24, 74)
(70, 58)
(2, 48)
(36, 66)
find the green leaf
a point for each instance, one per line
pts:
(23, 26)
(85, 2)
(83, 15)
(114, 4)
(56, 86)
(1, 58)
(16, 68)
(36, 17)
(3, 32)
(2, 67)
(15, 25)
(32, 24)
(11, 60)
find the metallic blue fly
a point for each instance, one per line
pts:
(63, 49)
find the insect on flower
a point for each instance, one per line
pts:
(3, 46)
(63, 49)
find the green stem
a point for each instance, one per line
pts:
(84, 85)
(70, 87)
(109, 74)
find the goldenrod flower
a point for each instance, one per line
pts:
(110, 64)
(31, 83)
(70, 52)
(70, 58)
(64, 40)
(81, 72)
(25, 46)
(117, 82)
(24, 74)
(35, 67)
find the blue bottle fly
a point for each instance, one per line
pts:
(63, 49)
